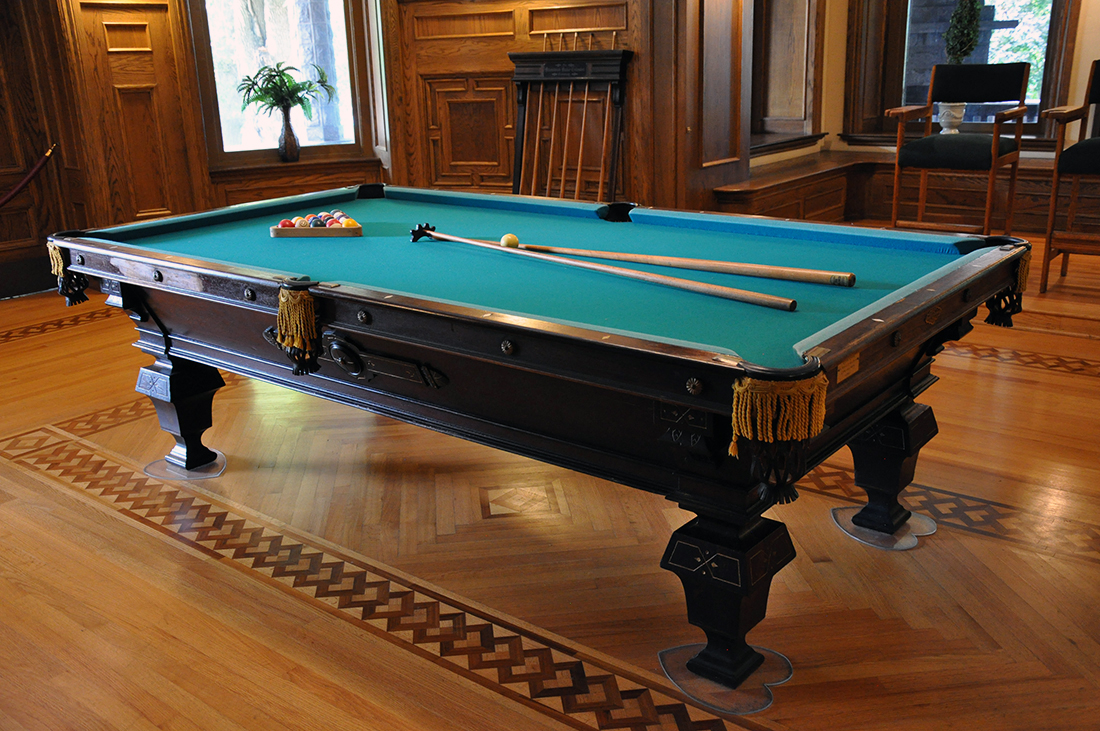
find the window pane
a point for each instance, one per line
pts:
(247, 34)
(1010, 30)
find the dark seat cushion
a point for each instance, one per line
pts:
(1081, 159)
(953, 152)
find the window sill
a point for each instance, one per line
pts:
(302, 167)
(1033, 144)
(770, 143)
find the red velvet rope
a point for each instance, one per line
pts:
(30, 176)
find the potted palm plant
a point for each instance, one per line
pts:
(960, 40)
(273, 87)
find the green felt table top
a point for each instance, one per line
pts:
(887, 264)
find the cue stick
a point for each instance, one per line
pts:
(538, 131)
(765, 271)
(714, 290)
(584, 121)
(553, 124)
(606, 131)
(565, 132)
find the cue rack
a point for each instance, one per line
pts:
(569, 114)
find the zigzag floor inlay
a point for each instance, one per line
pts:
(986, 517)
(560, 682)
(1025, 359)
(44, 328)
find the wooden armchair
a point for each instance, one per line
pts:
(966, 151)
(1077, 161)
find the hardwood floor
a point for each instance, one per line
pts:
(118, 608)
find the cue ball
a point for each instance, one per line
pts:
(509, 240)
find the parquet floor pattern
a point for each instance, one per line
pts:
(520, 664)
(989, 623)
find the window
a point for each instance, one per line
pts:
(893, 45)
(234, 38)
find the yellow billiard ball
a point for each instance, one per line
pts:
(509, 240)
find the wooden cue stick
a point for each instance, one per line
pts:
(553, 128)
(538, 132)
(584, 121)
(565, 132)
(606, 130)
(523, 142)
(714, 290)
(766, 271)
(604, 141)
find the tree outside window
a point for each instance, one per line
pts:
(1010, 31)
(247, 34)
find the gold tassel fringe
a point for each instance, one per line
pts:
(1022, 272)
(296, 323)
(771, 411)
(57, 262)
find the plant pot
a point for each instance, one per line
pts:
(950, 115)
(288, 141)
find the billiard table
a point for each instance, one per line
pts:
(719, 405)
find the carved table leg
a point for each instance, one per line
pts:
(182, 392)
(885, 458)
(726, 575)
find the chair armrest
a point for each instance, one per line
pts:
(909, 113)
(1065, 114)
(1008, 114)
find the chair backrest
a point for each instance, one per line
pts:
(1092, 98)
(979, 82)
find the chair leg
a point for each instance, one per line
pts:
(1050, 252)
(897, 196)
(1010, 204)
(1071, 218)
(990, 190)
(922, 195)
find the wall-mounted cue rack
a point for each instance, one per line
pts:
(569, 112)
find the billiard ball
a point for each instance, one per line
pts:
(302, 223)
(509, 240)
(349, 223)
(286, 223)
(317, 222)
(332, 222)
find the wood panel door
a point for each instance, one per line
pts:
(138, 109)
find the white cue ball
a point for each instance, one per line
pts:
(509, 240)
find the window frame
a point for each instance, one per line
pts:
(362, 102)
(874, 69)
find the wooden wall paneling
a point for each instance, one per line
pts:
(35, 112)
(666, 143)
(138, 105)
(248, 184)
(787, 54)
(452, 100)
(713, 40)
(470, 132)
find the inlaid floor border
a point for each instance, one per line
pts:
(561, 681)
(1045, 533)
(51, 326)
(1025, 358)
